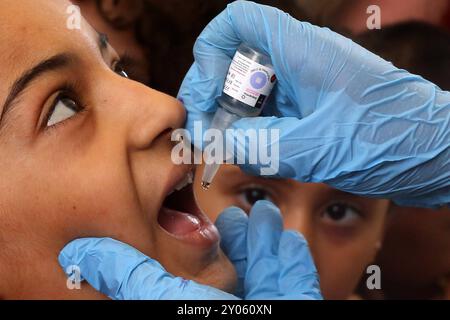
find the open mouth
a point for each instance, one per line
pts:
(181, 217)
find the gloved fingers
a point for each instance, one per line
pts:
(282, 145)
(197, 119)
(281, 103)
(298, 274)
(195, 116)
(204, 82)
(264, 230)
(123, 273)
(232, 225)
(314, 150)
(107, 264)
(306, 149)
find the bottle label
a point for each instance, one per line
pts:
(248, 81)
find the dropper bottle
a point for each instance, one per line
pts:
(248, 84)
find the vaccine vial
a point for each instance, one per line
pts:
(249, 82)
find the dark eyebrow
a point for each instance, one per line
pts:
(52, 64)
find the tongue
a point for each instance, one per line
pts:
(178, 223)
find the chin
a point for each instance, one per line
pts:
(219, 274)
(202, 262)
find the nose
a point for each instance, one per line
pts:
(301, 220)
(141, 112)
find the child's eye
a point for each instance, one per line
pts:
(250, 195)
(120, 70)
(341, 214)
(64, 108)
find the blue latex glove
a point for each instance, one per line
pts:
(123, 273)
(347, 117)
(270, 263)
(273, 264)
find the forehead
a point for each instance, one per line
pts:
(26, 21)
(34, 29)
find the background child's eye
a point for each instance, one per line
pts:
(64, 108)
(341, 214)
(250, 195)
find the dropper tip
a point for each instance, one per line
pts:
(205, 185)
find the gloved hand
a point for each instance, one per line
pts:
(346, 117)
(275, 264)
(123, 273)
(271, 263)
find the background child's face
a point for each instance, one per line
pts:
(344, 231)
(85, 153)
(415, 259)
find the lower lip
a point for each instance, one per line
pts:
(195, 230)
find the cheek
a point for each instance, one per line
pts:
(102, 204)
(341, 266)
(74, 200)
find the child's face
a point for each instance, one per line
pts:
(85, 153)
(344, 231)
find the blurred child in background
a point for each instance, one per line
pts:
(344, 231)
(415, 258)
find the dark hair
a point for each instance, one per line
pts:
(169, 41)
(120, 14)
(169, 36)
(418, 47)
(168, 30)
